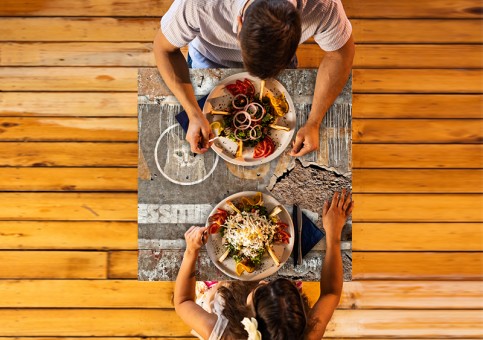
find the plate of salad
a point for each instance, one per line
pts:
(251, 235)
(253, 120)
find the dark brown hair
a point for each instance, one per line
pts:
(281, 311)
(269, 37)
(235, 297)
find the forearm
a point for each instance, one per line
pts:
(175, 73)
(331, 78)
(186, 281)
(331, 277)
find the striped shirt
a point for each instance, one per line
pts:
(210, 28)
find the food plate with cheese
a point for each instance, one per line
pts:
(251, 235)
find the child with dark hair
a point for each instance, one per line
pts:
(265, 310)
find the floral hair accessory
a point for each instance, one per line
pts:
(251, 326)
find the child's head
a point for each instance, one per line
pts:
(280, 310)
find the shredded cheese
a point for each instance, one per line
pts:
(249, 233)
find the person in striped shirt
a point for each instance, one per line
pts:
(261, 36)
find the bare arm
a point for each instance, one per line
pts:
(331, 77)
(184, 291)
(174, 70)
(331, 277)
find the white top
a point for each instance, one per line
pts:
(212, 302)
(210, 27)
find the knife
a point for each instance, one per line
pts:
(299, 242)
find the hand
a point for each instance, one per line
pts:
(199, 133)
(335, 215)
(196, 237)
(307, 140)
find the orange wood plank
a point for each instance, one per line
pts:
(412, 31)
(40, 154)
(68, 206)
(79, 104)
(454, 131)
(401, 56)
(70, 235)
(52, 265)
(427, 236)
(77, 54)
(420, 266)
(136, 322)
(84, 8)
(69, 129)
(432, 106)
(417, 181)
(92, 323)
(354, 8)
(68, 179)
(413, 9)
(123, 265)
(79, 29)
(68, 79)
(416, 156)
(417, 81)
(417, 208)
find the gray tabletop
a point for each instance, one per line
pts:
(177, 189)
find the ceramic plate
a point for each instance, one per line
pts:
(219, 99)
(215, 247)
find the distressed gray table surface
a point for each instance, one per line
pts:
(177, 190)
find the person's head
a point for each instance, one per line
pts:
(269, 36)
(235, 296)
(280, 309)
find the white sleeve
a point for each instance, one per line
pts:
(334, 31)
(180, 25)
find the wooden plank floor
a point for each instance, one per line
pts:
(68, 134)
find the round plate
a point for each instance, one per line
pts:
(267, 267)
(219, 99)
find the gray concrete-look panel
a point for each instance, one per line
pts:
(177, 189)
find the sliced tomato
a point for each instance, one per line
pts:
(272, 146)
(282, 236)
(250, 87)
(282, 226)
(233, 89)
(269, 149)
(217, 218)
(222, 212)
(242, 86)
(213, 228)
(260, 149)
(264, 148)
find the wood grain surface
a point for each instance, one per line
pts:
(68, 230)
(354, 9)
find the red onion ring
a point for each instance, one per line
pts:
(242, 123)
(236, 135)
(236, 97)
(254, 129)
(253, 114)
